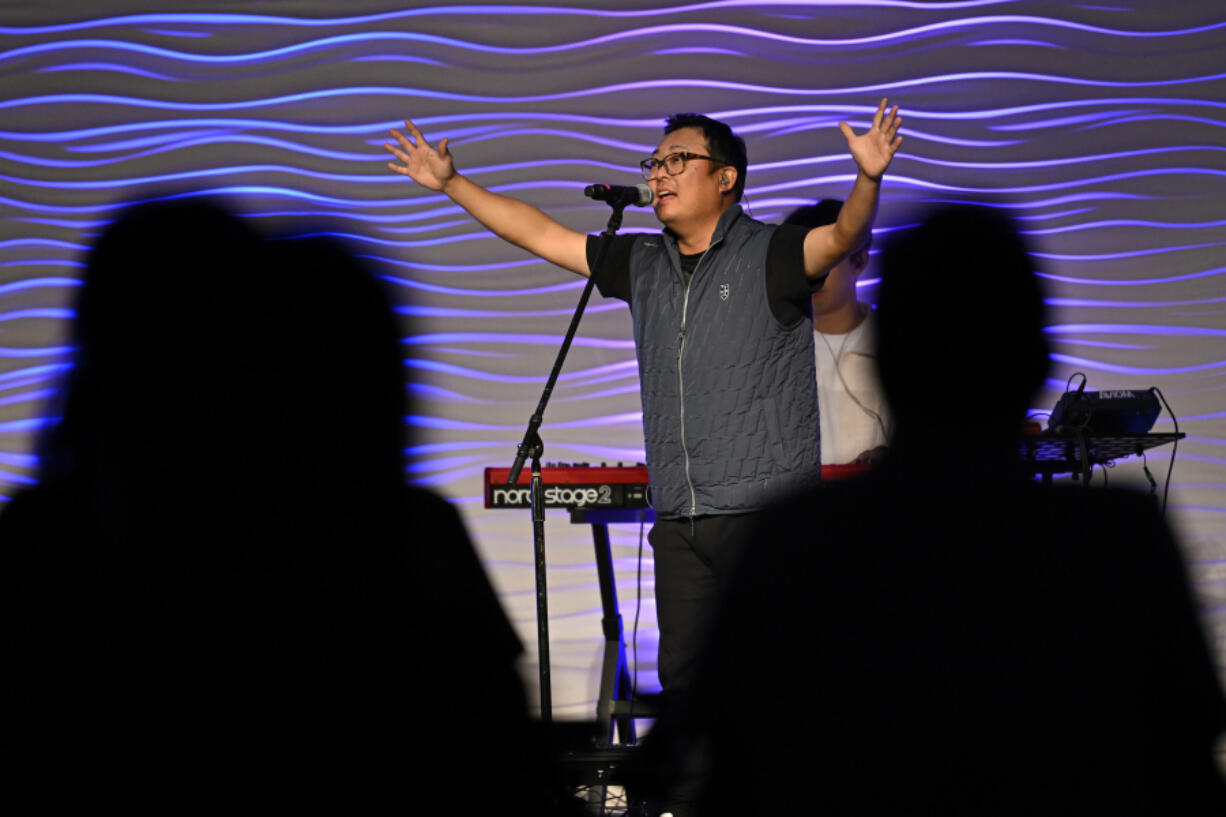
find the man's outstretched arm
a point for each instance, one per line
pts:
(515, 221)
(828, 245)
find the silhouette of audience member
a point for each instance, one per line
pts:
(854, 418)
(222, 597)
(946, 636)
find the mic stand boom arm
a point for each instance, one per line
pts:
(533, 448)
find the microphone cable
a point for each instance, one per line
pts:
(1166, 488)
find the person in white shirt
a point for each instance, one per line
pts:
(855, 422)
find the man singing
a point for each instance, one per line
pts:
(720, 305)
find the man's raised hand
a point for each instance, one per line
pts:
(874, 148)
(431, 168)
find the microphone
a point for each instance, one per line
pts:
(618, 196)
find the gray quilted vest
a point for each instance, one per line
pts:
(729, 394)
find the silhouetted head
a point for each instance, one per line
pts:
(342, 372)
(166, 310)
(218, 376)
(961, 347)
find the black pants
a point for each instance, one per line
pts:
(694, 561)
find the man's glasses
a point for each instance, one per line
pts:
(673, 163)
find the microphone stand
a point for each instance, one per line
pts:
(533, 448)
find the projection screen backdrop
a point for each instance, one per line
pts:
(1099, 127)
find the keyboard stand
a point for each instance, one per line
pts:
(615, 707)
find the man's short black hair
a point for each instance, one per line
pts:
(723, 144)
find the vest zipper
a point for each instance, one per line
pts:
(685, 307)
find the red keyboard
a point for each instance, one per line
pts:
(581, 485)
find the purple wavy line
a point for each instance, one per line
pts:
(604, 90)
(28, 397)
(1191, 456)
(986, 113)
(206, 173)
(42, 242)
(611, 453)
(438, 393)
(568, 285)
(453, 350)
(1052, 202)
(1131, 304)
(1154, 118)
(22, 426)
(1215, 416)
(358, 238)
(925, 184)
(652, 123)
(233, 190)
(1124, 222)
(1058, 122)
(994, 43)
(312, 128)
(41, 262)
(505, 338)
(728, 52)
(25, 382)
(442, 464)
(105, 66)
(503, 133)
(420, 228)
(51, 313)
(1101, 343)
(478, 374)
(44, 351)
(913, 32)
(370, 218)
(1116, 369)
(1069, 160)
(433, 448)
(75, 224)
(166, 32)
(1050, 216)
(171, 142)
(1142, 281)
(445, 312)
(628, 370)
(256, 19)
(38, 283)
(43, 371)
(1136, 329)
(399, 58)
(447, 395)
(444, 423)
(633, 388)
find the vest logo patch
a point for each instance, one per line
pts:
(724, 292)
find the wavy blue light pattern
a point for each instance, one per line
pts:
(673, 30)
(477, 9)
